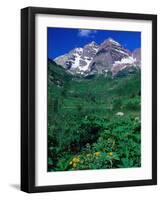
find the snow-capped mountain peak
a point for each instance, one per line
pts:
(110, 42)
(93, 43)
(113, 41)
(78, 59)
(110, 55)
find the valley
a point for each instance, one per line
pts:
(93, 119)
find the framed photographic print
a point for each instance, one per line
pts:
(88, 99)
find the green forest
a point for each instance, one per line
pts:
(93, 122)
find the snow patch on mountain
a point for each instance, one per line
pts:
(85, 67)
(126, 60)
(75, 64)
(123, 52)
(113, 41)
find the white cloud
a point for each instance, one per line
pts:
(86, 33)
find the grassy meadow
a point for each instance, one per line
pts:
(93, 123)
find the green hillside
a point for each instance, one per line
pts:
(93, 123)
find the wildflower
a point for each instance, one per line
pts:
(110, 153)
(71, 163)
(76, 159)
(97, 153)
(74, 165)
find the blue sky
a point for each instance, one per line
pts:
(62, 40)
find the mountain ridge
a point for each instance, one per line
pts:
(109, 56)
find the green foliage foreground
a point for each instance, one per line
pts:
(93, 123)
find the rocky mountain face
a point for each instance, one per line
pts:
(109, 56)
(77, 60)
(137, 55)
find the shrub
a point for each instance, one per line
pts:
(118, 146)
(84, 131)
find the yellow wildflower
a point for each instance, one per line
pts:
(76, 159)
(110, 153)
(74, 165)
(71, 163)
(97, 153)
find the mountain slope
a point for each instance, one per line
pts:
(56, 74)
(78, 59)
(109, 56)
(109, 52)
